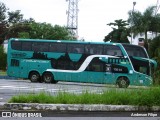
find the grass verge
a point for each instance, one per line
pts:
(143, 97)
(3, 73)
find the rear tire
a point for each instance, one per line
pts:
(34, 77)
(123, 82)
(48, 78)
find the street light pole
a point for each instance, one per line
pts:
(134, 3)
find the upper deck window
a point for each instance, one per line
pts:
(112, 50)
(75, 48)
(26, 46)
(16, 45)
(57, 47)
(40, 46)
(94, 49)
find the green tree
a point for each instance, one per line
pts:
(154, 48)
(47, 31)
(154, 51)
(17, 30)
(18, 27)
(3, 57)
(61, 33)
(141, 23)
(15, 17)
(120, 33)
(3, 22)
(31, 29)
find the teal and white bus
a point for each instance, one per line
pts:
(51, 61)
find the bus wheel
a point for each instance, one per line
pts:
(48, 78)
(123, 82)
(34, 76)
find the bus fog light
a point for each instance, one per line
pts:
(141, 81)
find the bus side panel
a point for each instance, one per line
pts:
(39, 65)
(61, 76)
(80, 77)
(72, 77)
(96, 77)
(109, 78)
(85, 77)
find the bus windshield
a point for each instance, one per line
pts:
(139, 58)
(136, 51)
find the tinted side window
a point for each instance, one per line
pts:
(14, 62)
(16, 45)
(75, 48)
(40, 47)
(57, 47)
(94, 49)
(27, 46)
(87, 49)
(98, 67)
(112, 50)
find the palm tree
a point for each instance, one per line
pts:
(118, 34)
(143, 22)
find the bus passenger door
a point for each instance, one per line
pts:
(108, 75)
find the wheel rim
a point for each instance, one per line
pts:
(47, 78)
(123, 82)
(34, 77)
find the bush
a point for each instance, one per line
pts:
(156, 77)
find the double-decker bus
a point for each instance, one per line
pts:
(51, 61)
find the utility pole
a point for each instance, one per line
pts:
(157, 7)
(72, 18)
(134, 3)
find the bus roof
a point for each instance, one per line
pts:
(63, 41)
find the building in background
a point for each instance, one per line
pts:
(139, 39)
(5, 45)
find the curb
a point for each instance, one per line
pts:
(7, 77)
(77, 107)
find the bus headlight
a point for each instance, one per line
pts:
(131, 72)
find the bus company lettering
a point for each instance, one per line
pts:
(16, 54)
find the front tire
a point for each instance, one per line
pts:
(123, 82)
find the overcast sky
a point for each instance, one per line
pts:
(92, 18)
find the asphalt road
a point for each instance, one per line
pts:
(9, 88)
